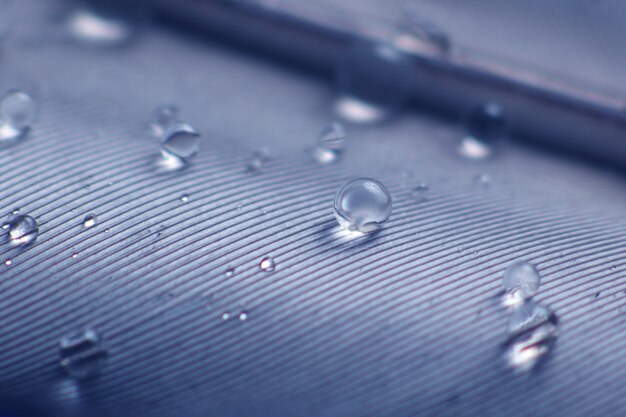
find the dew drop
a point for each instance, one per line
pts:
(243, 316)
(8, 262)
(82, 354)
(164, 117)
(74, 255)
(180, 140)
(230, 271)
(362, 205)
(21, 230)
(331, 143)
(225, 316)
(521, 282)
(17, 115)
(184, 198)
(485, 126)
(89, 221)
(267, 264)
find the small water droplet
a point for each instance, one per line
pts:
(184, 198)
(331, 143)
(17, 115)
(74, 255)
(362, 205)
(21, 230)
(527, 316)
(106, 230)
(416, 35)
(419, 192)
(483, 179)
(8, 262)
(164, 117)
(485, 126)
(239, 206)
(372, 82)
(89, 221)
(225, 316)
(230, 271)
(258, 160)
(521, 281)
(267, 264)
(243, 316)
(180, 140)
(82, 354)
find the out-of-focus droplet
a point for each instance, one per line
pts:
(181, 140)
(89, 221)
(230, 271)
(243, 316)
(17, 115)
(420, 191)
(225, 316)
(107, 22)
(21, 230)
(362, 205)
(331, 143)
(483, 179)
(521, 282)
(164, 117)
(74, 255)
(259, 158)
(485, 126)
(184, 198)
(82, 354)
(416, 35)
(267, 264)
(373, 82)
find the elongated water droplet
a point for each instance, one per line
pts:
(330, 143)
(17, 115)
(362, 205)
(521, 281)
(21, 230)
(485, 126)
(267, 264)
(82, 354)
(165, 116)
(90, 220)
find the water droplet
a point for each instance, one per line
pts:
(267, 264)
(483, 179)
(373, 81)
(164, 117)
(230, 271)
(330, 143)
(82, 354)
(521, 282)
(243, 316)
(225, 316)
(74, 255)
(180, 140)
(21, 230)
(416, 35)
(106, 230)
(419, 192)
(362, 205)
(485, 126)
(529, 315)
(8, 262)
(90, 220)
(17, 115)
(258, 160)
(184, 198)
(168, 162)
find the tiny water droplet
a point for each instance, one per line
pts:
(82, 354)
(89, 221)
(180, 140)
(17, 115)
(21, 230)
(362, 205)
(239, 206)
(8, 262)
(243, 316)
(267, 264)
(74, 255)
(331, 143)
(416, 35)
(521, 281)
(184, 198)
(483, 179)
(485, 126)
(230, 271)
(419, 192)
(259, 158)
(165, 116)
(106, 230)
(225, 316)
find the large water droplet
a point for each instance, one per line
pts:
(90, 220)
(164, 117)
(330, 143)
(82, 354)
(521, 281)
(21, 230)
(17, 114)
(267, 264)
(181, 140)
(362, 205)
(373, 81)
(485, 126)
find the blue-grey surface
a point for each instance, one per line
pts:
(401, 324)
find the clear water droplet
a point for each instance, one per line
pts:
(243, 316)
(74, 255)
(168, 162)
(267, 264)
(180, 140)
(331, 143)
(259, 158)
(373, 81)
(225, 316)
(165, 116)
(230, 271)
(521, 282)
(89, 221)
(362, 205)
(485, 126)
(420, 191)
(8, 262)
(184, 198)
(21, 230)
(17, 115)
(529, 315)
(419, 36)
(82, 354)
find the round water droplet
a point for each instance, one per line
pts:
(330, 143)
(90, 220)
(243, 316)
(521, 281)
(8, 262)
(267, 264)
(74, 255)
(225, 316)
(230, 271)
(485, 126)
(362, 205)
(184, 198)
(373, 81)
(17, 114)
(180, 140)
(22, 230)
